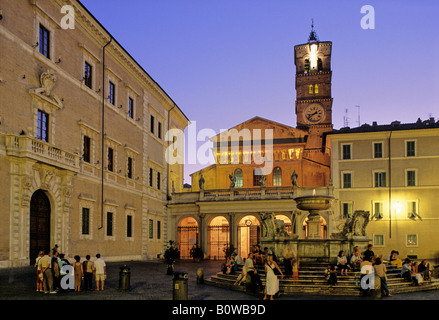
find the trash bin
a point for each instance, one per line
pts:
(124, 278)
(180, 285)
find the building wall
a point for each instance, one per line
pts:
(75, 111)
(395, 225)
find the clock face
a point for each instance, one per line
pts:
(314, 113)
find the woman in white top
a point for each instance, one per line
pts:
(272, 282)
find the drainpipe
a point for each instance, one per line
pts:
(103, 133)
(390, 186)
(168, 173)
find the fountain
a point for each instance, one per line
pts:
(314, 247)
(314, 204)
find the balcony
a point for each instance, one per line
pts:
(31, 148)
(242, 194)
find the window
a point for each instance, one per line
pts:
(87, 149)
(380, 179)
(130, 108)
(85, 221)
(109, 224)
(43, 126)
(412, 209)
(238, 176)
(346, 151)
(159, 230)
(130, 168)
(306, 65)
(112, 93)
(151, 174)
(411, 178)
(152, 124)
(412, 240)
(151, 229)
(44, 42)
(347, 180)
(129, 226)
(377, 210)
(311, 89)
(158, 180)
(346, 208)
(316, 89)
(410, 148)
(378, 240)
(110, 163)
(159, 130)
(88, 75)
(256, 177)
(277, 176)
(378, 150)
(320, 64)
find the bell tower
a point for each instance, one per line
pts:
(314, 84)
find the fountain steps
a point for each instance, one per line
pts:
(311, 282)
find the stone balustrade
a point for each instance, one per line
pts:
(27, 147)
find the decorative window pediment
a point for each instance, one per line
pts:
(47, 81)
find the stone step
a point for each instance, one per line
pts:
(316, 284)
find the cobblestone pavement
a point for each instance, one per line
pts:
(149, 282)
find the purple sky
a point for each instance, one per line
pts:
(226, 61)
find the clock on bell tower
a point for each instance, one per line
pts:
(314, 83)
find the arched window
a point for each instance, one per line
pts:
(311, 89)
(316, 89)
(320, 64)
(277, 176)
(238, 176)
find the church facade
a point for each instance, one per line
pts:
(261, 166)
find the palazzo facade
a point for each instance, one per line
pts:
(392, 171)
(82, 148)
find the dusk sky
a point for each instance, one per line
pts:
(224, 62)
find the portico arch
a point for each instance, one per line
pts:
(218, 237)
(188, 236)
(249, 234)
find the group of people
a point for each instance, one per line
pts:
(410, 271)
(51, 270)
(272, 270)
(415, 272)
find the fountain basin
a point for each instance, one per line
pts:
(314, 203)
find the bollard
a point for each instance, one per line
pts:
(180, 285)
(124, 278)
(376, 291)
(200, 276)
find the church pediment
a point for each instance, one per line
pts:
(279, 130)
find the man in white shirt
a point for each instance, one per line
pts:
(99, 271)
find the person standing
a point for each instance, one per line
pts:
(88, 273)
(272, 282)
(45, 265)
(99, 272)
(39, 272)
(78, 272)
(380, 271)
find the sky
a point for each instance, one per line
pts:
(226, 61)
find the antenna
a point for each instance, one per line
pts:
(346, 118)
(359, 121)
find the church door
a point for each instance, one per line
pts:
(39, 224)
